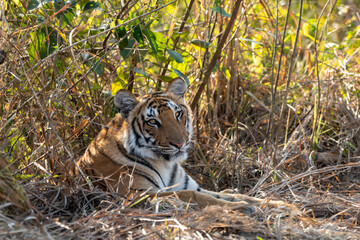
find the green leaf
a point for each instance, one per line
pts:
(152, 40)
(68, 14)
(175, 56)
(120, 33)
(200, 43)
(180, 74)
(61, 66)
(34, 4)
(8, 121)
(221, 11)
(43, 43)
(140, 71)
(165, 78)
(138, 35)
(92, 5)
(120, 81)
(97, 67)
(129, 49)
(216, 68)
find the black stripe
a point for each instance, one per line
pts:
(89, 153)
(136, 171)
(152, 114)
(138, 160)
(164, 99)
(137, 189)
(148, 177)
(152, 180)
(147, 139)
(166, 156)
(172, 175)
(143, 119)
(198, 189)
(148, 99)
(95, 177)
(157, 93)
(151, 103)
(163, 106)
(139, 126)
(137, 135)
(102, 153)
(186, 183)
(93, 172)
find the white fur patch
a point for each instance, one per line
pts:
(149, 111)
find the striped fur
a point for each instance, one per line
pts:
(143, 146)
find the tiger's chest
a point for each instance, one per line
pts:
(170, 175)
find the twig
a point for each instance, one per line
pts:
(182, 26)
(120, 14)
(292, 60)
(317, 106)
(271, 114)
(217, 54)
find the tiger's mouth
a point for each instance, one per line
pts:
(170, 151)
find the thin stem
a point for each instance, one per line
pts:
(271, 114)
(217, 54)
(292, 60)
(317, 105)
(274, 89)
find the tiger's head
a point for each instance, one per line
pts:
(159, 124)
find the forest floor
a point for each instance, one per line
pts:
(56, 213)
(319, 202)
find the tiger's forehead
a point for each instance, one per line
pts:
(155, 105)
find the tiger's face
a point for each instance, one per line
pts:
(159, 124)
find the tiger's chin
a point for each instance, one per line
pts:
(180, 156)
(156, 155)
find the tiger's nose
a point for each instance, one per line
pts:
(178, 144)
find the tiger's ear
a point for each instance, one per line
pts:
(177, 87)
(125, 101)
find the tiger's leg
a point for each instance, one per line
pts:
(189, 191)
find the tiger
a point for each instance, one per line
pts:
(143, 146)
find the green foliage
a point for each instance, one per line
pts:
(44, 42)
(221, 11)
(201, 43)
(92, 5)
(177, 57)
(34, 4)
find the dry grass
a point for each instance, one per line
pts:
(81, 214)
(307, 155)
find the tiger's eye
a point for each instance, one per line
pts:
(152, 121)
(178, 114)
